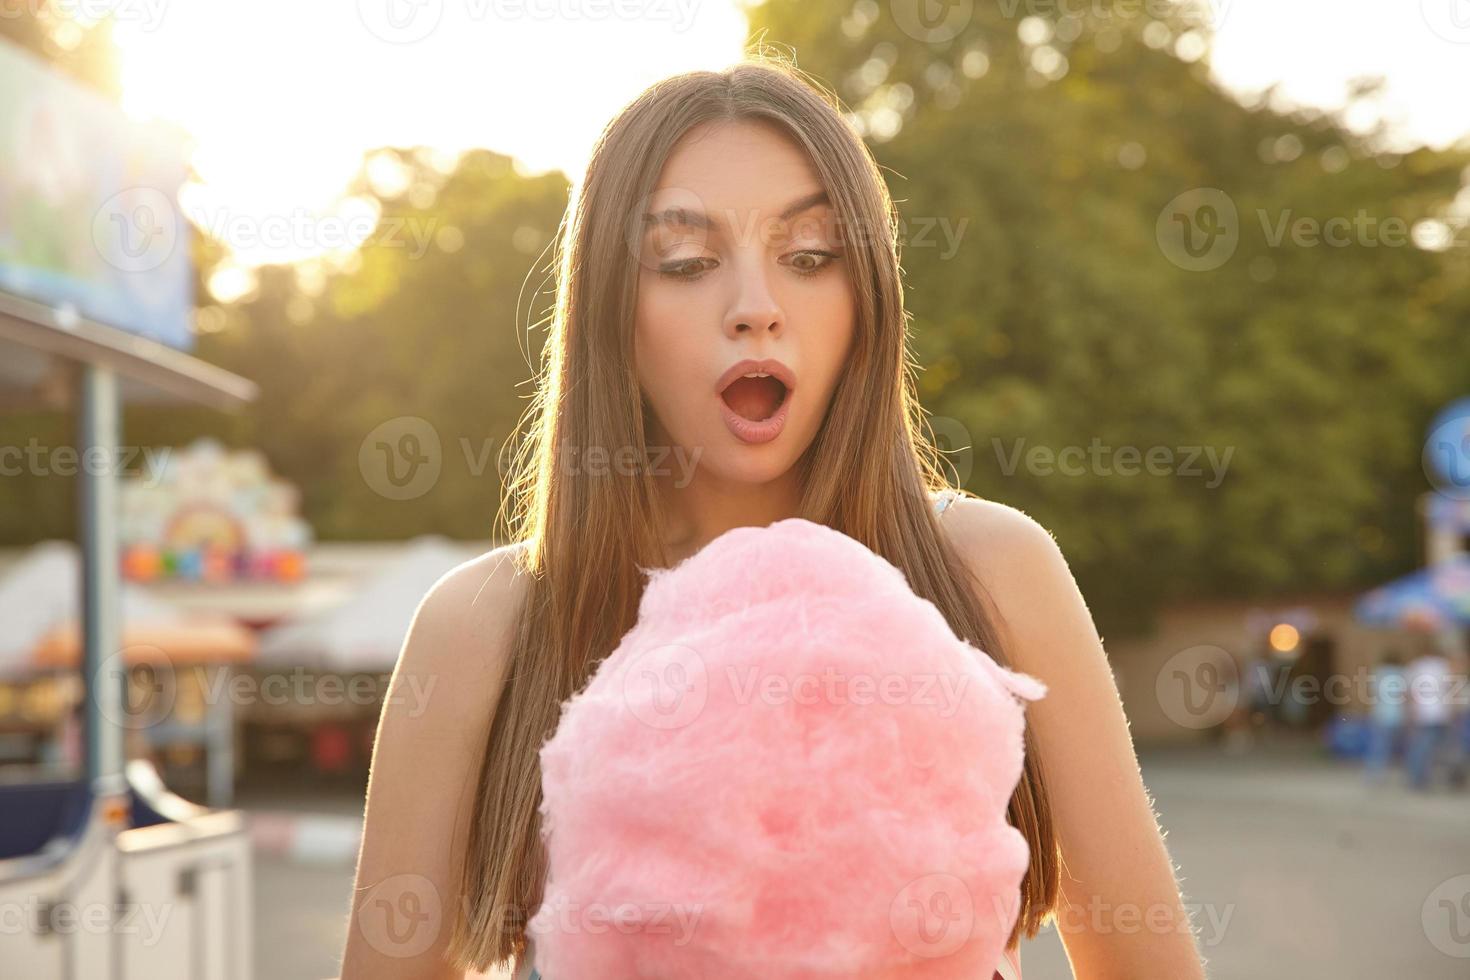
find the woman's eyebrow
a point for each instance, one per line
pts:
(688, 218)
(804, 203)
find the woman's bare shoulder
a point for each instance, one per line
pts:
(1019, 566)
(990, 534)
(463, 623)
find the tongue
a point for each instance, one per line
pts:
(755, 398)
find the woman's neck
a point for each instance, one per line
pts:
(708, 506)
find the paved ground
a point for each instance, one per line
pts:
(1313, 874)
(1301, 872)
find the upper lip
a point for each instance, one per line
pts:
(770, 366)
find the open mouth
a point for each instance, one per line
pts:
(755, 396)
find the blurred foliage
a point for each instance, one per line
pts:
(431, 319)
(83, 50)
(1053, 144)
(1032, 158)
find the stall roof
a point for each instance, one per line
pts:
(1438, 594)
(37, 344)
(39, 610)
(366, 632)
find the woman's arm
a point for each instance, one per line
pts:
(426, 759)
(1121, 916)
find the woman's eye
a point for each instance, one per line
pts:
(685, 269)
(811, 261)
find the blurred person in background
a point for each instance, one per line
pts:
(1429, 685)
(1387, 715)
(1261, 672)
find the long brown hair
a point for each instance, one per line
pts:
(583, 541)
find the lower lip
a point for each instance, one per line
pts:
(756, 433)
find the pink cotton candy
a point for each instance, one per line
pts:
(789, 768)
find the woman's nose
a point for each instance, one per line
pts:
(755, 308)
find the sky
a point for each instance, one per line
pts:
(538, 79)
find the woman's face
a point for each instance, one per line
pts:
(740, 260)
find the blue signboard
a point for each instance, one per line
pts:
(89, 216)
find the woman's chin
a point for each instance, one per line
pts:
(743, 463)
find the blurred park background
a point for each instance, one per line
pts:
(1188, 283)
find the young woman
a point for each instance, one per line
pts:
(728, 349)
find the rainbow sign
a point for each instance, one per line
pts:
(209, 514)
